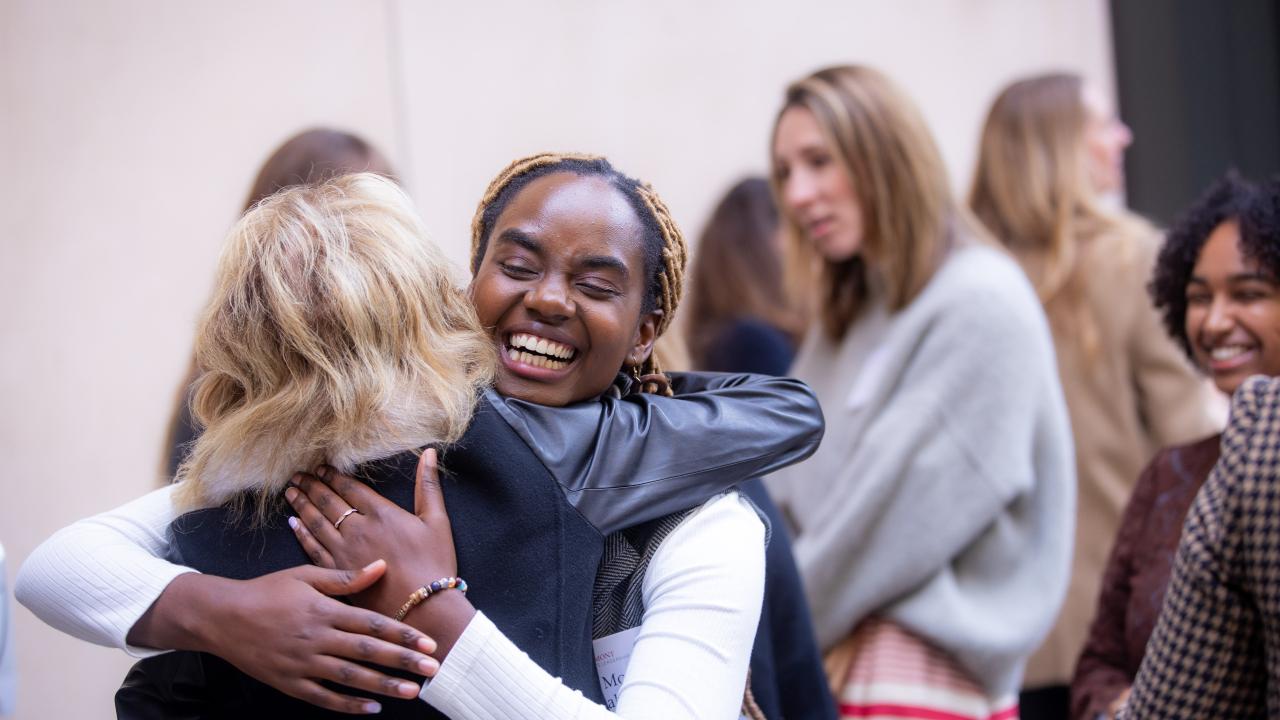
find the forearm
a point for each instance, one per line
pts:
(97, 577)
(631, 460)
(182, 615)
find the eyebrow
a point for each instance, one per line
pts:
(1238, 277)
(605, 262)
(521, 238)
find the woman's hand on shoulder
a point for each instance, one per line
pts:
(343, 523)
(285, 630)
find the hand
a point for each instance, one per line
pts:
(284, 630)
(1114, 708)
(418, 548)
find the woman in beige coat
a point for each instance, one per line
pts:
(1050, 148)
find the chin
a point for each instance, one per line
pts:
(838, 252)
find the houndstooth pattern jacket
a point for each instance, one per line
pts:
(1215, 652)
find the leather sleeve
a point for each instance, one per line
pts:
(629, 460)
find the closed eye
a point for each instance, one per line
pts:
(517, 272)
(598, 291)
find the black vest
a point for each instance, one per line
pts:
(528, 557)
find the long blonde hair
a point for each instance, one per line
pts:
(1031, 189)
(336, 333)
(899, 181)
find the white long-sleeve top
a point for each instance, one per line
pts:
(702, 590)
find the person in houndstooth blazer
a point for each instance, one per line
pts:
(1215, 652)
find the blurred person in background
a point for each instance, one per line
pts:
(739, 319)
(933, 525)
(1051, 148)
(310, 157)
(1216, 285)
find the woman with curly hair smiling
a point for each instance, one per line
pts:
(1216, 285)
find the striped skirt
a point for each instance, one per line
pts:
(884, 672)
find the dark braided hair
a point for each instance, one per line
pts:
(664, 250)
(1256, 208)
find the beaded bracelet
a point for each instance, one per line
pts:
(426, 591)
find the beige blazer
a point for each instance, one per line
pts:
(1136, 393)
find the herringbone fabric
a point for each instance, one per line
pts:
(1215, 652)
(617, 602)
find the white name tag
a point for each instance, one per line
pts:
(612, 653)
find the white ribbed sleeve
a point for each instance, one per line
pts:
(95, 578)
(702, 594)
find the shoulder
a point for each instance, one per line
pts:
(1254, 410)
(724, 532)
(1176, 472)
(752, 329)
(751, 345)
(729, 518)
(980, 291)
(1127, 249)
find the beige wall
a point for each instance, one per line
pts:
(130, 132)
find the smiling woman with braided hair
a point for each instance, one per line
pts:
(566, 452)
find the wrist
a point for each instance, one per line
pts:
(180, 618)
(443, 616)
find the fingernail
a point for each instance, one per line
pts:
(290, 494)
(372, 708)
(427, 645)
(370, 566)
(428, 666)
(293, 523)
(407, 689)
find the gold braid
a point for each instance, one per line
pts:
(675, 252)
(675, 255)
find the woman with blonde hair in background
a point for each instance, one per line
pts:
(1051, 147)
(934, 524)
(307, 158)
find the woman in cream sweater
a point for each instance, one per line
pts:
(934, 523)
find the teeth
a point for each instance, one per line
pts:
(541, 346)
(538, 361)
(1228, 352)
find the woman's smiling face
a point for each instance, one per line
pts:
(561, 288)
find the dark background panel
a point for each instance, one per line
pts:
(1199, 83)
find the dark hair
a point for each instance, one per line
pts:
(664, 248)
(1255, 208)
(312, 157)
(737, 273)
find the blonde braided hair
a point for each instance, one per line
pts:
(666, 283)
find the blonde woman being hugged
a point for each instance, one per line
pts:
(1050, 148)
(934, 523)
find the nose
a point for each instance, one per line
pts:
(549, 300)
(799, 190)
(1124, 133)
(1218, 321)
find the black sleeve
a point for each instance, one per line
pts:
(626, 461)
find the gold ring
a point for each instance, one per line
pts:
(345, 515)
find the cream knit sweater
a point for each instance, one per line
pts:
(943, 494)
